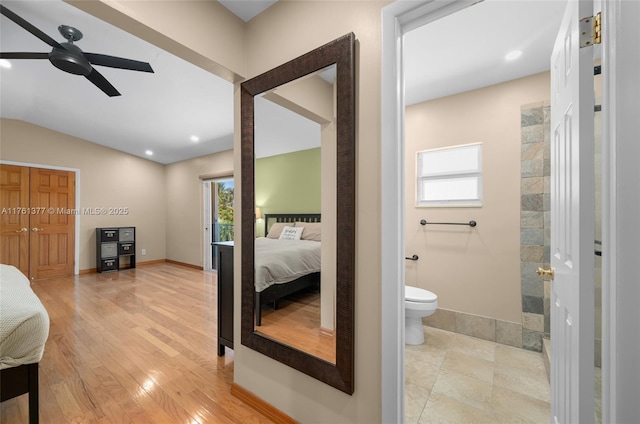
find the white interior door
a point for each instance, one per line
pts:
(572, 222)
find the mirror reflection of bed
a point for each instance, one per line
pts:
(295, 184)
(288, 285)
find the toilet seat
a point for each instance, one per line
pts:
(415, 294)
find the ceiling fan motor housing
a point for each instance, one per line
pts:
(70, 33)
(70, 59)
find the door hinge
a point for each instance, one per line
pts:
(591, 30)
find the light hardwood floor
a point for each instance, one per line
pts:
(135, 346)
(297, 324)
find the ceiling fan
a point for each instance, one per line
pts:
(69, 58)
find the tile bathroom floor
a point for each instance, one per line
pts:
(453, 378)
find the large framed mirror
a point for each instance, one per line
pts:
(300, 118)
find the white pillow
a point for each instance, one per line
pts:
(312, 230)
(291, 233)
(276, 229)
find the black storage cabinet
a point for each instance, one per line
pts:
(113, 243)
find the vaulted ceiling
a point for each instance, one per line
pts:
(161, 112)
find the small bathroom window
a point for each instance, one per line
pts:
(450, 176)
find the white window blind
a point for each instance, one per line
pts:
(450, 176)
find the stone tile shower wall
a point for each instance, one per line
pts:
(535, 233)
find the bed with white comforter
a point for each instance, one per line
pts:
(24, 328)
(281, 261)
(284, 267)
(24, 322)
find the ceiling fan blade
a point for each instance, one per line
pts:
(32, 29)
(24, 55)
(101, 82)
(118, 62)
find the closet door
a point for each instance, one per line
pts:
(37, 221)
(14, 219)
(52, 233)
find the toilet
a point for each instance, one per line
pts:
(418, 303)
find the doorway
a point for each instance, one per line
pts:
(620, 203)
(38, 220)
(474, 300)
(218, 197)
(399, 21)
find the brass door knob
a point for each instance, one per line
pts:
(35, 229)
(22, 230)
(546, 272)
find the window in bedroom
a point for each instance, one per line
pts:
(450, 176)
(223, 210)
(221, 195)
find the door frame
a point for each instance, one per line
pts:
(76, 171)
(620, 209)
(397, 19)
(206, 226)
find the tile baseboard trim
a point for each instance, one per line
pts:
(491, 329)
(546, 356)
(261, 406)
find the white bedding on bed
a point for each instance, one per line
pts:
(280, 261)
(24, 322)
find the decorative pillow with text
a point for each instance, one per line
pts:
(291, 233)
(276, 229)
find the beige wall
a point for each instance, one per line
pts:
(311, 97)
(204, 33)
(165, 202)
(476, 271)
(108, 178)
(287, 30)
(283, 32)
(185, 204)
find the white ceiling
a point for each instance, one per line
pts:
(158, 111)
(466, 50)
(161, 111)
(247, 9)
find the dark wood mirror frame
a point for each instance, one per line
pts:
(342, 53)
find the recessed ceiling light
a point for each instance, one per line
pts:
(195, 138)
(148, 153)
(513, 55)
(4, 63)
